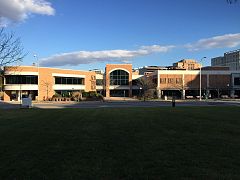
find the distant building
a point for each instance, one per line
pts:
(188, 64)
(146, 70)
(230, 59)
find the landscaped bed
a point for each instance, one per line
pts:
(126, 143)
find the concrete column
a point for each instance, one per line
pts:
(107, 92)
(183, 94)
(19, 95)
(183, 87)
(159, 93)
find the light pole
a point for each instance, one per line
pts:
(35, 56)
(200, 82)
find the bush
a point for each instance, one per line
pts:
(93, 94)
(85, 94)
(56, 95)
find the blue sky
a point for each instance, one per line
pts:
(93, 33)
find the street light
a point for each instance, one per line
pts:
(200, 83)
(35, 56)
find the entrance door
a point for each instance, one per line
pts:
(119, 93)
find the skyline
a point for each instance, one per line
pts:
(89, 34)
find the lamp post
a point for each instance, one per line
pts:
(200, 82)
(35, 56)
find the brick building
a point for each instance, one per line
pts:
(118, 80)
(215, 83)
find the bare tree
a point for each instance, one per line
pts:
(46, 88)
(11, 49)
(148, 87)
(77, 95)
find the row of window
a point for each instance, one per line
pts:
(119, 73)
(119, 77)
(119, 80)
(237, 81)
(69, 80)
(170, 80)
(15, 79)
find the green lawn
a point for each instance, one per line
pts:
(126, 143)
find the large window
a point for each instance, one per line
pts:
(237, 81)
(99, 82)
(21, 79)
(69, 80)
(119, 77)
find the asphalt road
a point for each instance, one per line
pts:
(119, 104)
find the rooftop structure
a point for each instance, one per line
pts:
(230, 59)
(188, 64)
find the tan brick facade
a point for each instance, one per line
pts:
(189, 80)
(112, 67)
(166, 80)
(46, 79)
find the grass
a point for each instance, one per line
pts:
(127, 143)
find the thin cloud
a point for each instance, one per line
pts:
(89, 57)
(19, 10)
(224, 41)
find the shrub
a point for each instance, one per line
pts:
(85, 94)
(92, 93)
(56, 95)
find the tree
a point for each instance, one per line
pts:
(46, 85)
(148, 87)
(11, 49)
(77, 95)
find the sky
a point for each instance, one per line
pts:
(88, 34)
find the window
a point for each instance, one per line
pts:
(21, 79)
(237, 81)
(170, 80)
(190, 66)
(69, 80)
(119, 77)
(178, 80)
(99, 82)
(162, 80)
